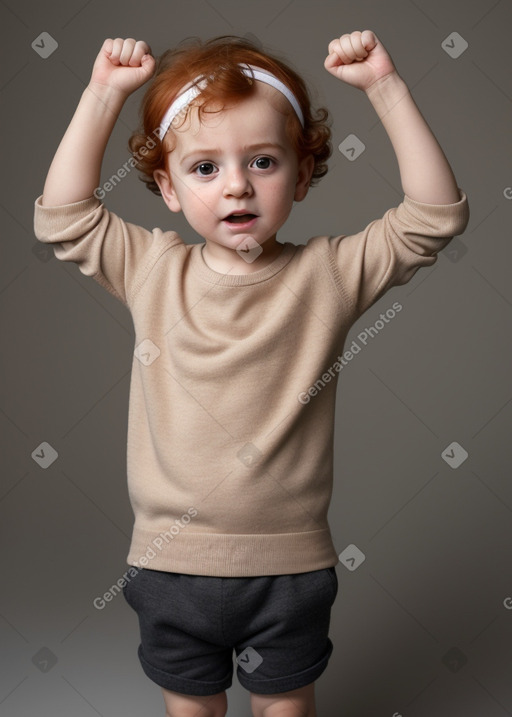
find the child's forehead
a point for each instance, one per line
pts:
(262, 114)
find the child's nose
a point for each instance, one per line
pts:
(236, 181)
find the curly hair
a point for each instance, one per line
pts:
(219, 57)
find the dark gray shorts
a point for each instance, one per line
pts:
(278, 626)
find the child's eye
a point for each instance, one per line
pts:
(263, 159)
(208, 166)
(206, 169)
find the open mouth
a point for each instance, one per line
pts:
(239, 218)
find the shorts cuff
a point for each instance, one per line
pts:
(290, 682)
(184, 685)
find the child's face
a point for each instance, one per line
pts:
(213, 171)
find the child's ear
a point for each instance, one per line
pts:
(162, 178)
(305, 171)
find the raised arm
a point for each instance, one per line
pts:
(120, 68)
(360, 60)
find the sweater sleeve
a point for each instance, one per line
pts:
(390, 250)
(117, 254)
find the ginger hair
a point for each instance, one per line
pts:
(219, 57)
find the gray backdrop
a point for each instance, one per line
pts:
(423, 625)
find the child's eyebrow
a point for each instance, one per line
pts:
(215, 151)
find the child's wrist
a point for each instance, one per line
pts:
(387, 91)
(110, 97)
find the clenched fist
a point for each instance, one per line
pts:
(359, 59)
(123, 65)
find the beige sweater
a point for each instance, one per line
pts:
(233, 385)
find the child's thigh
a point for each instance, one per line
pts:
(178, 705)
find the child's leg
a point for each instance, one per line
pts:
(182, 646)
(177, 705)
(296, 703)
(283, 644)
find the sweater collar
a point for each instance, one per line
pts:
(201, 268)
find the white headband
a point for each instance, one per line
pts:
(250, 71)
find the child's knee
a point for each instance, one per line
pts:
(178, 705)
(296, 703)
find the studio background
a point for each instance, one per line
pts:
(423, 625)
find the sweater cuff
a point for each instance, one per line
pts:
(57, 218)
(453, 217)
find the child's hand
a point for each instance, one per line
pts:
(123, 65)
(359, 59)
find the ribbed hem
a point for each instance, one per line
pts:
(454, 217)
(58, 216)
(229, 555)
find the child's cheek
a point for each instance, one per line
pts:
(287, 193)
(280, 190)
